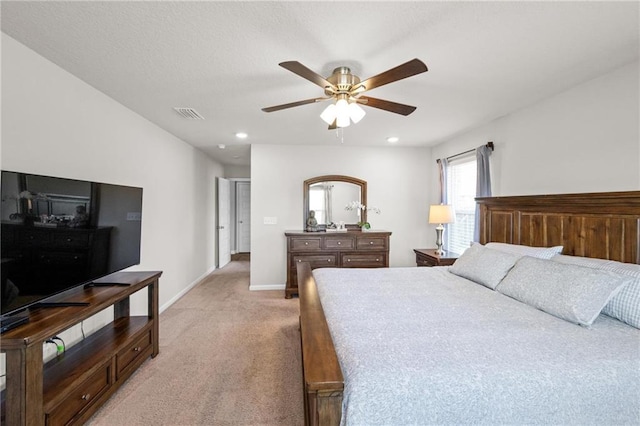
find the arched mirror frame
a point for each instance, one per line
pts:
(334, 178)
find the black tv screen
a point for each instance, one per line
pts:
(61, 233)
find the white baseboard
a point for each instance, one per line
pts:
(177, 297)
(266, 287)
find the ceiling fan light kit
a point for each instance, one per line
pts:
(346, 90)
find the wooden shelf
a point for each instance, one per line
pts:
(71, 387)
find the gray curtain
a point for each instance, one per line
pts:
(483, 183)
(443, 165)
(328, 203)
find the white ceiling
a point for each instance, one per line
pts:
(485, 60)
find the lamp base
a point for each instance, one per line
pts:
(439, 232)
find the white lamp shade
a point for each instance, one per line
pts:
(356, 112)
(442, 213)
(329, 114)
(342, 113)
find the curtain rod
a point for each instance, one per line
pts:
(488, 145)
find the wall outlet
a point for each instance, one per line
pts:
(270, 220)
(135, 216)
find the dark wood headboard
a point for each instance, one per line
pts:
(604, 225)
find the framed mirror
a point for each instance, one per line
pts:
(328, 196)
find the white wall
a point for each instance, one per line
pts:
(237, 172)
(397, 178)
(586, 139)
(55, 124)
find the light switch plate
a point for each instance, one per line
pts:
(268, 220)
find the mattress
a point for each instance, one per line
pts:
(424, 346)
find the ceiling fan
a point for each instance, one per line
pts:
(347, 91)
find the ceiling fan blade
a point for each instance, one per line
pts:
(401, 109)
(408, 69)
(304, 72)
(293, 104)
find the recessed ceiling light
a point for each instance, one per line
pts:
(393, 139)
(241, 135)
(222, 146)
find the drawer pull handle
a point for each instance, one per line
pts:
(348, 260)
(339, 242)
(306, 244)
(328, 260)
(370, 242)
(299, 260)
(86, 397)
(377, 260)
(68, 240)
(136, 349)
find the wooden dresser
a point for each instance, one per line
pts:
(352, 249)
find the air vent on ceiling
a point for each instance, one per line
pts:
(189, 113)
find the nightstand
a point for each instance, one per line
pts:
(428, 257)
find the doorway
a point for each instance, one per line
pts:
(224, 221)
(243, 217)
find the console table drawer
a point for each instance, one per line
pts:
(138, 350)
(78, 400)
(305, 244)
(371, 243)
(368, 260)
(340, 243)
(316, 260)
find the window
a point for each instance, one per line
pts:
(461, 190)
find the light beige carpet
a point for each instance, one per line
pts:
(228, 356)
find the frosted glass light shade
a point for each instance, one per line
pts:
(342, 113)
(442, 213)
(329, 114)
(356, 112)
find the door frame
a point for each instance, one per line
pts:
(234, 212)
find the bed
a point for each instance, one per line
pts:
(460, 352)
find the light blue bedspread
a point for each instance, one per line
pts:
(423, 346)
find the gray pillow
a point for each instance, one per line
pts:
(539, 252)
(625, 305)
(483, 265)
(574, 293)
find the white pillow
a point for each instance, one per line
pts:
(539, 252)
(483, 265)
(625, 305)
(574, 293)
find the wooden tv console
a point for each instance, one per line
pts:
(72, 386)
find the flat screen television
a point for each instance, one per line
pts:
(60, 233)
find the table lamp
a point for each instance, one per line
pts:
(441, 214)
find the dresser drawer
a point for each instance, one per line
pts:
(133, 354)
(425, 261)
(339, 243)
(316, 260)
(71, 239)
(61, 258)
(371, 243)
(80, 399)
(305, 244)
(368, 260)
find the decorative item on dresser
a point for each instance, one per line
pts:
(351, 249)
(430, 257)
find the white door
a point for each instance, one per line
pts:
(224, 222)
(243, 212)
